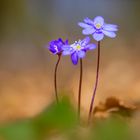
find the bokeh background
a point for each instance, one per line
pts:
(26, 66)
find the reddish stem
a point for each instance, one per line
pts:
(96, 84)
(55, 77)
(80, 87)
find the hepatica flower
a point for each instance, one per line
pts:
(56, 46)
(98, 28)
(78, 49)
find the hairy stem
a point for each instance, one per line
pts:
(80, 87)
(96, 84)
(55, 77)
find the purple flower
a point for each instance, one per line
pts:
(98, 28)
(78, 49)
(56, 46)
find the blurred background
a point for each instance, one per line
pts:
(26, 66)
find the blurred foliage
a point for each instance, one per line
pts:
(57, 117)
(112, 129)
(59, 121)
(18, 131)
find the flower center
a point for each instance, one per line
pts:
(98, 25)
(78, 47)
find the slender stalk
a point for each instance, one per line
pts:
(96, 84)
(55, 77)
(80, 87)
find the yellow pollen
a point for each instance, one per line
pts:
(78, 47)
(98, 25)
